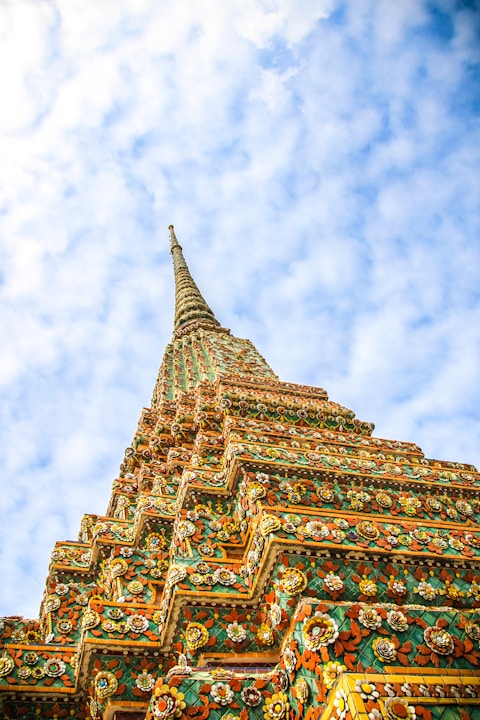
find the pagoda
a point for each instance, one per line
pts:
(262, 556)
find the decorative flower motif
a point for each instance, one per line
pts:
(265, 634)
(185, 529)
(31, 658)
(397, 620)
(326, 494)
(52, 603)
(18, 635)
(473, 540)
(338, 535)
(38, 673)
(251, 696)
(61, 589)
(368, 530)
(384, 649)
(420, 536)
(472, 629)
(426, 590)
(196, 635)
(439, 543)
(90, 619)
(276, 707)
(393, 530)
(24, 672)
(236, 632)
(269, 524)
(434, 504)
(262, 477)
(452, 591)
(439, 640)
(296, 492)
(367, 587)
(301, 690)
(397, 588)
(32, 636)
(331, 671)
(316, 529)
(399, 709)
(135, 587)
(369, 618)
(290, 660)
(54, 667)
(155, 541)
(126, 552)
(176, 574)
(137, 623)
(6, 665)
(115, 613)
(222, 693)
(464, 507)
(383, 500)
(106, 684)
(206, 550)
(456, 544)
(340, 704)
(356, 504)
(275, 614)
(225, 576)
(168, 702)
(64, 626)
(255, 491)
(118, 567)
(319, 630)
(145, 681)
(280, 678)
(410, 504)
(294, 581)
(367, 690)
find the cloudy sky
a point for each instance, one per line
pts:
(320, 163)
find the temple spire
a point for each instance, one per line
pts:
(190, 305)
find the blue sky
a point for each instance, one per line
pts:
(320, 163)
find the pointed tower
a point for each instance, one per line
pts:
(190, 306)
(262, 556)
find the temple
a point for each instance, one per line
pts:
(262, 556)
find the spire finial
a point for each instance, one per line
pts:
(173, 237)
(190, 304)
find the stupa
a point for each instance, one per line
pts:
(262, 556)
